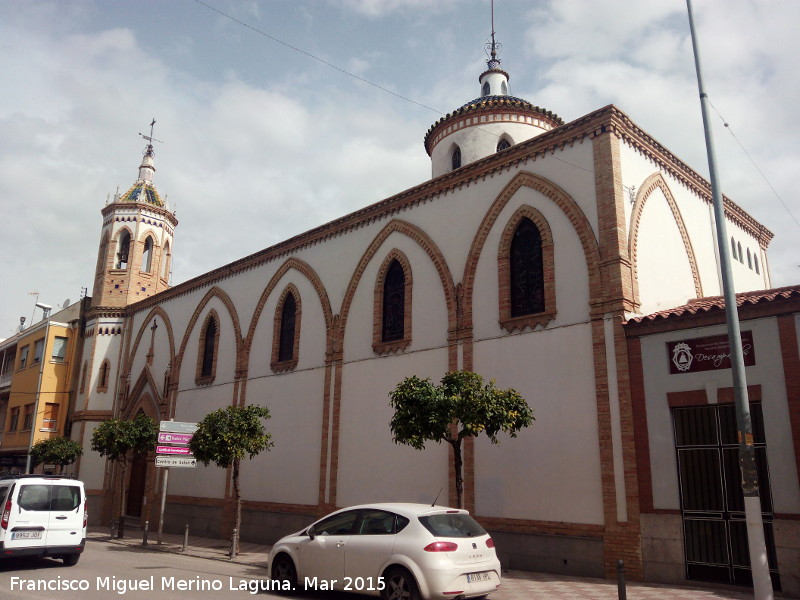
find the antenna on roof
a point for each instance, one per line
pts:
(150, 139)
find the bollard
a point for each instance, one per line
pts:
(144, 532)
(621, 593)
(185, 538)
(234, 543)
(113, 528)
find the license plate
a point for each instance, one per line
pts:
(476, 577)
(26, 535)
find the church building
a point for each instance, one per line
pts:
(522, 259)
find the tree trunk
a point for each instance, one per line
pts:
(237, 519)
(457, 462)
(121, 526)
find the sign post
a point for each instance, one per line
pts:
(177, 435)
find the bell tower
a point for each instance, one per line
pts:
(134, 260)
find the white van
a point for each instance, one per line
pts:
(42, 516)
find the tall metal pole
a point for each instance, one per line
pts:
(762, 583)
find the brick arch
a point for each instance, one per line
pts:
(508, 322)
(144, 399)
(378, 345)
(214, 292)
(653, 182)
(276, 364)
(312, 276)
(150, 231)
(157, 311)
(562, 200)
(431, 249)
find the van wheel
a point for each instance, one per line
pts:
(70, 559)
(400, 585)
(283, 570)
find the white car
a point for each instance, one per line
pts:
(395, 551)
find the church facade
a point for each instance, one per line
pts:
(521, 260)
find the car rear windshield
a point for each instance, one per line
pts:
(49, 497)
(453, 525)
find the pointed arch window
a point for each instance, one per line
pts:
(749, 259)
(526, 271)
(733, 248)
(165, 258)
(755, 263)
(741, 256)
(503, 145)
(504, 88)
(455, 158)
(101, 256)
(103, 376)
(392, 327)
(286, 336)
(123, 249)
(486, 90)
(208, 351)
(147, 255)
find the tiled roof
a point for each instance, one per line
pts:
(135, 194)
(496, 102)
(717, 303)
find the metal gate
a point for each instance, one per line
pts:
(712, 502)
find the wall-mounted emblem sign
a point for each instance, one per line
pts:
(707, 353)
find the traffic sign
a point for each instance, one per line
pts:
(173, 450)
(174, 438)
(176, 461)
(177, 427)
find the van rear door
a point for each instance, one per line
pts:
(65, 527)
(29, 516)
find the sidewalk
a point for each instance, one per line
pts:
(517, 585)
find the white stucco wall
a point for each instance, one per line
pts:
(766, 373)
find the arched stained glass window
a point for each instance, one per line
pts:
(209, 347)
(393, 303)
(527, 270)
(288, 320)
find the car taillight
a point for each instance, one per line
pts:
(490, 543)
(85, 514)
(441, 547)
(6, 515)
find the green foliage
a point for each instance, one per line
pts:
(58, 451)
(461, 406)
(230, 434)
(120, 440)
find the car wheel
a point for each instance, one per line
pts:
(70, 559)
(400, 585)
(283, 569)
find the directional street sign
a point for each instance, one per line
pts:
(176, 461)
(178, 427)
(173, 450)
(174, 438)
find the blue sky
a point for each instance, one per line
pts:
(262, 141)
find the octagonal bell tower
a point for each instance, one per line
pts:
(135, 256)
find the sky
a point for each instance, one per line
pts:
(281, 115)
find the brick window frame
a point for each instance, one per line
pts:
(379, 346)
(507, 322)
(277, 365)
(104, 374)
(208, 379)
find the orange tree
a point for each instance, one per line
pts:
(228, 435)
(460, 406)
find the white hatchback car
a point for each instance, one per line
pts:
(395, 551)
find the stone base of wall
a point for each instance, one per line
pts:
(662, 548)
(203, 521)
(268, 527)
(560, 555)
(787, 546)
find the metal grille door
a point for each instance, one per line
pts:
(712, 502)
